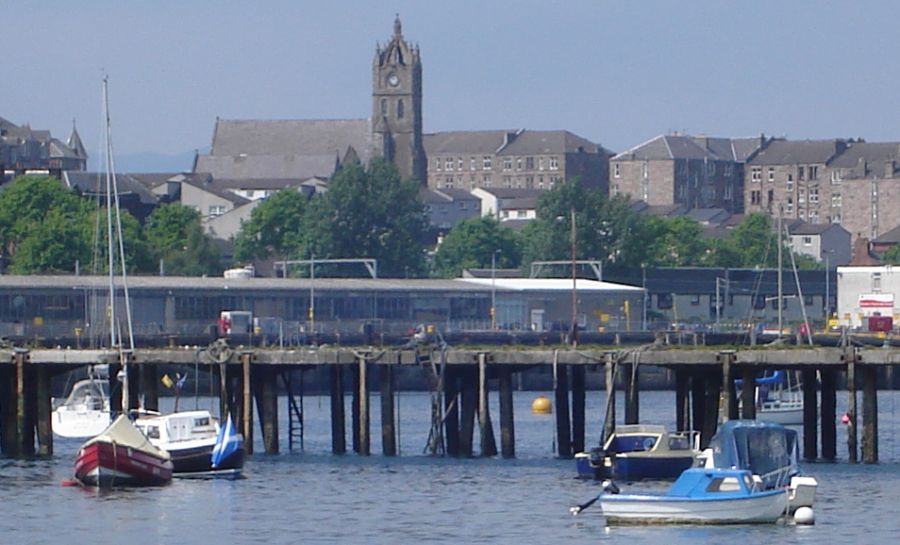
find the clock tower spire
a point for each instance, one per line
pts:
(397, 105)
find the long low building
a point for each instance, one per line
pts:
(78, 305)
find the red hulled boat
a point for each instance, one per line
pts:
(122, 456)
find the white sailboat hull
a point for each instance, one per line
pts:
(84, 423)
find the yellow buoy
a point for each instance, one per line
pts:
(541, 405)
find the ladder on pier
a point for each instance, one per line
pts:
(294, 408)
(435, 382)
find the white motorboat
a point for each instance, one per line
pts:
(699, 496)
(191, 438)
(85, 411)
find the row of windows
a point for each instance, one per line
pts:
(59, 307)
(450, 164)
(810, 172)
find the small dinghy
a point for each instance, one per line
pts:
(699, 496)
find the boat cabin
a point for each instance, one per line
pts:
(183, 426)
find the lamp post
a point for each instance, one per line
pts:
(494, 289)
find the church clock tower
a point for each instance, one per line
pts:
(397, 105)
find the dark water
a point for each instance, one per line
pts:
(314, 497)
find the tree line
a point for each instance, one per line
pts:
(372, 212)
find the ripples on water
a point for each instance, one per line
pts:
(315, 497)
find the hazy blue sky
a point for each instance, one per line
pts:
(616, 72)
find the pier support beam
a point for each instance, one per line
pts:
(507, 422)
(488, 444)
(810, 420)
(828, 415)
(267, 407)
(8, 410)
(748, 393)
(729, 396)
(469, 402)
(246, 416)
(24, 418)
(870, 415)
(362, 400)
(698, 403)
(338, 425)
(852, 444)
(632, 392)
(578, 408)
(682, 400)
(711, 407)
(451, 411)
(150, 386)
(354, 407)
(44, 413)
(386, 390)
(563, 426)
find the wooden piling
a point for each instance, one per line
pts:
(222, 374)
(578, 408)
(22, 449)
(729, 401)
(365, 447)
(386, 391)
(338, 425)
(267, 407)
(828, 414)
(488, 444)
(711, 408)
(246, 404)
(7, 410)
(563, 429)
(354, 409)
(698, 401)
(150, 386)
(451, 411)
(44, 413)
(870, 415)
(682, 400)
(810, 418)
(748, 393)
(632, 391)
(469, 402)
(507, 421)
(852, 443)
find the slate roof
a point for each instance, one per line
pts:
(871, 154)
(676, 146)
(441, 196)
(791, 152)
(512, 192)
(545, 142)
(298, 149)
(708, 216)
(804, 228)
(465, 142)
(891, 237)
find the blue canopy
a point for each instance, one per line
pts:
(764, 448)
(777, 377)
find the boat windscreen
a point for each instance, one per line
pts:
(766, 449)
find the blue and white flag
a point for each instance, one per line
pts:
(227, 443)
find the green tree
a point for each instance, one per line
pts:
(371, 213)
(892, 256)
(277, 227)
(472, 243)
(675, 242)
(175, 235)
(606, 229)
(44, 227)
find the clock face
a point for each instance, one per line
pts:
(393, 80)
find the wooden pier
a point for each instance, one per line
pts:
(461, 379)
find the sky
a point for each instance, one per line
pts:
(615, 72)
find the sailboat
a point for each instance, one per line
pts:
(121, 455)
(85, 411)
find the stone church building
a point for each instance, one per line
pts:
(287, 153)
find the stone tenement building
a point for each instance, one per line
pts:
(692, 171)
(521, 159)
(297, 150)
(24, 150)
(854, 183)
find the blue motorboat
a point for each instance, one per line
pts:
(637, 452)
(699, 496)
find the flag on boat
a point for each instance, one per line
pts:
(180, 384)
(227, 443)
(167, 381)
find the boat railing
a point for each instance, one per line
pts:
(778, 477)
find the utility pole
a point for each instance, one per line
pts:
(574, 339)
